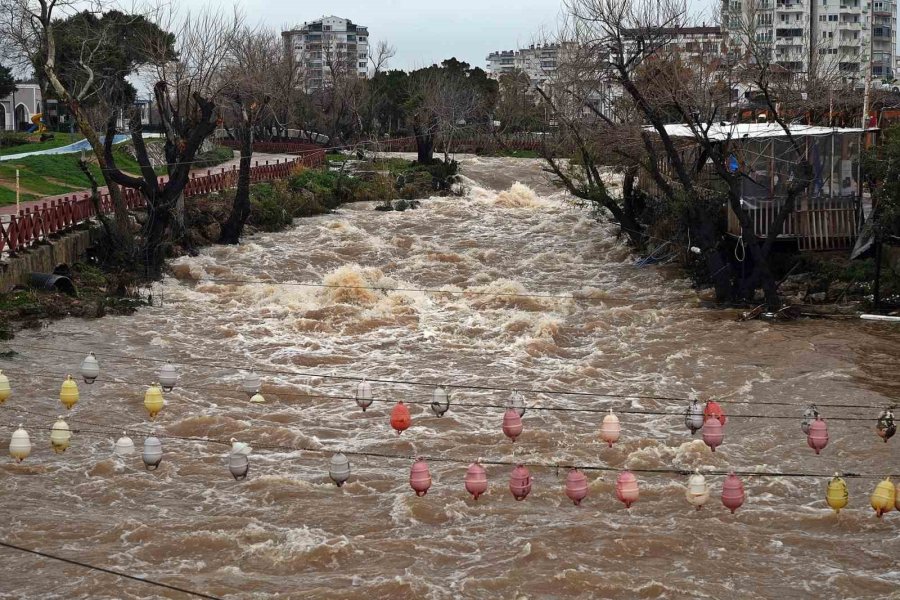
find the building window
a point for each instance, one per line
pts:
(327, 28)
(832, 18)
(362, 65)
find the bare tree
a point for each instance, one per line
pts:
(185, 92)
(250, 86)
(659, 82)
(29, 26)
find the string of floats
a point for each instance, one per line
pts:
(205, 362)
(219, 390)
(710, 419)
(885, 497)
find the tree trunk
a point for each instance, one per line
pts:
(240, 210)
(424, 146)
(122, 237)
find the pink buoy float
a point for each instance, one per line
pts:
(733, 492)
(627, 488)
(576, 486)
(512, 424)
(520, 483)
(817, 438)
(713, 433)
(476, 480)
(419, 477)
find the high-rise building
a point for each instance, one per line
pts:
(819, 36)
(538, 62)
(328, 46)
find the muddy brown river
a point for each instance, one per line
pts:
(288, 532)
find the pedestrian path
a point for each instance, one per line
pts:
(258, 159)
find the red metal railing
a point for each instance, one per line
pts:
(37, 223)
(287, 147)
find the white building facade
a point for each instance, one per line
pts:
(539, 62)
(821, 36)
(17, 109)
(328, 45)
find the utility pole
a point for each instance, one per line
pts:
(865, 116)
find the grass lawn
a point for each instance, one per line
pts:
(61, 139)
(54, 174)
(50, 175)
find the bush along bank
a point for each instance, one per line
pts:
(394, 183)
(99, 293)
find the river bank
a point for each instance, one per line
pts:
(395, 184)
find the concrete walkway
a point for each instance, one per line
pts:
(258, 159)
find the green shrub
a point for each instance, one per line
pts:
(10, 139)
(216, 156)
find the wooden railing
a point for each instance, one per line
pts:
(827, 224)
(278, 147)
(38, 223)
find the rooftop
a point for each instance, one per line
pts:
(740, 131)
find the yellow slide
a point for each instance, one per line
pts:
(38, 126)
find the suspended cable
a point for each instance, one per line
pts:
(455, 405)
(565, 464)
(539, 391)
(392, 289)
(85, 565)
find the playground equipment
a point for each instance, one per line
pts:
(38, 124)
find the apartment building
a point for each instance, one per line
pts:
(824, 36)
(326, 46)
(538, 61)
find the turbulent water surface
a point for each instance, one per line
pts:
(287, 532)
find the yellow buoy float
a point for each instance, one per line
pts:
(60, 436)
(884, 497)
(153, 400)
(837, 496)
(5, 390)
(68, 395)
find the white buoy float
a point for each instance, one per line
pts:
(20, 444)
(339, 469)
(153, 453)
(124, 446)
(60, 436)
(90, 368)
(167, 377)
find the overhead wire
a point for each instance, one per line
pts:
(108, 571)
(455, 405)
(106, 431)
(474, 387)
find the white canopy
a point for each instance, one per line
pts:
(742, 131)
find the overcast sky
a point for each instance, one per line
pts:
(422, 31)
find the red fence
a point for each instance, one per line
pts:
(287, 147)
(466, 144)
(37, 223)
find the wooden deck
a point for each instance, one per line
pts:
(821, 224)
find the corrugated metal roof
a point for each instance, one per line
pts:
(739, 131)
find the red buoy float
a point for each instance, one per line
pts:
(419, 477)
(627, 488)
(732, 492)
(476, 480)
(400, 418)
(512, 424)
(576, 486)
(713, 433)
(714, 411)
(817, 438)
(520, 483)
